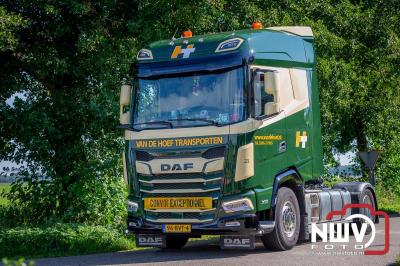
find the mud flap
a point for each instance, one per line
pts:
(237, 242)
(150, 240)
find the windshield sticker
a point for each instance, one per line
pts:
(180, 142)
(185, 52)
(223, 118)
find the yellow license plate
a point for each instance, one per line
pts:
(178, 203)
(177, 228)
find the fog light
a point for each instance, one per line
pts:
(132, 206)
(238, 205)
(132, 224)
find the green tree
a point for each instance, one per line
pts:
(67, 61)
(8, 24)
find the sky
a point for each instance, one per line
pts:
(10, 101)
(346, 159)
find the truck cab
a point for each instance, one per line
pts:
(222, 136)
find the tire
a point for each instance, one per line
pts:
(366, 197)
(285, 235)
(175, 241)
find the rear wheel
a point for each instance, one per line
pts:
(287, 222)
(175, 241)
(366, 197)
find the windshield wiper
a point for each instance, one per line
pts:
(162, 122)
(126, 126)
(132, 127)
(211, 122)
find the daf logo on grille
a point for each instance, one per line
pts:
(176, 166)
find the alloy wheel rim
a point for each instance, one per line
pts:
(288, 219)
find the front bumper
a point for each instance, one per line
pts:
(241, 224)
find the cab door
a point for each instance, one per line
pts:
(270, 139)
(299, 125)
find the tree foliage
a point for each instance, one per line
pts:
(9, 22)
(68, 58)
(68, 63)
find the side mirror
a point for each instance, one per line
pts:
(124, 101)
(125, 118)
(272, 86)
(125, 96)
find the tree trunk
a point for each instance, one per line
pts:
(362, 144)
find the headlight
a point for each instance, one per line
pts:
(144, 54)
(244, 162)
(132, 206)
(238, 205)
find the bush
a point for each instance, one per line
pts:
(97, 198)
(388, 200)
(4, 188)
(61, 240)
(19, 262)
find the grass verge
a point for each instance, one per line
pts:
(64, 240)
(61, 240)
(398, 261)
(4, 187)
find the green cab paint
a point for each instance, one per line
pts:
(290, 139)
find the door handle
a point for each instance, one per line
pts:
(282, 146)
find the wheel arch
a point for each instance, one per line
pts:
(292, 179)
(289, 178)
(355, 189)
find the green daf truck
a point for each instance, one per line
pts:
(223, 137)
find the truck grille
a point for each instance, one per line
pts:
(168, 185)
(181, 185)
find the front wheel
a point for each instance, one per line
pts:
(287, 222)
(175, 241)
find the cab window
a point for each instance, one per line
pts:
(260, 96)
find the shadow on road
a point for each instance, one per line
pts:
(208, 252)
(198, 250)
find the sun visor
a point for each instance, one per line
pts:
(211, 63)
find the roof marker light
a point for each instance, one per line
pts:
(257, 25)
(187, 34)
(144, 54)
(229, 45)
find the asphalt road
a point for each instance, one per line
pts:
(208, 253)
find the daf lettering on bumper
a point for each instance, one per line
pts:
(148, 240)
(237, 242)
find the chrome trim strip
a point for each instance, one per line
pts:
(180, 210)
(169, 181)
(178, 220)
(175, 191)
(213, 198)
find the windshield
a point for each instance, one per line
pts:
(191, 100)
